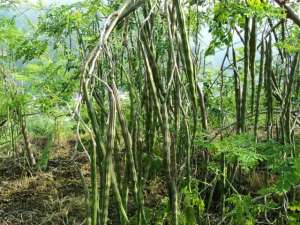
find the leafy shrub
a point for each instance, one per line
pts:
(241, 148)
(44, 126)
(243, 209)
(40, 126)
(193, 205)
(288, 176)
(42, 163)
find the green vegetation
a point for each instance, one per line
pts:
(119, 112)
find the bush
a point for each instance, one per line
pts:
(40, 126)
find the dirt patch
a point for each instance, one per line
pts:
(54, 196)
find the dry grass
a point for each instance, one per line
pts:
(52, 197)
(56, 196)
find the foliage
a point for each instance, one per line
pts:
(245, 210)
(288, 172)
(30, 49)
(241, 149)
(193, 205)
(10, 36)
(290, 44)
(42, 163)
(41, 126)
(294, 215)
(229, 15)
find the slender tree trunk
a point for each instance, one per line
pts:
(237, 91)
(108, 160)
(187, 58)
(268, 85)
(260, 81)
(252, 55)
(204, 117)
(286, 111)
(93, 154)
(27, 144)
(246, 72)
(171, 176)
(128, 143)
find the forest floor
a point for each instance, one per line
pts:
(54, 196)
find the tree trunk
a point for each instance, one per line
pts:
(252, 62)
(27, 144)
(237, 91)
(260, 81)
(246, 72)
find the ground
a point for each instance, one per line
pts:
(54, 196)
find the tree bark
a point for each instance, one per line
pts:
(246, 72)
(290, 13)
(27, 144)
(260, 81)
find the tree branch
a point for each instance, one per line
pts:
(291, 14)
